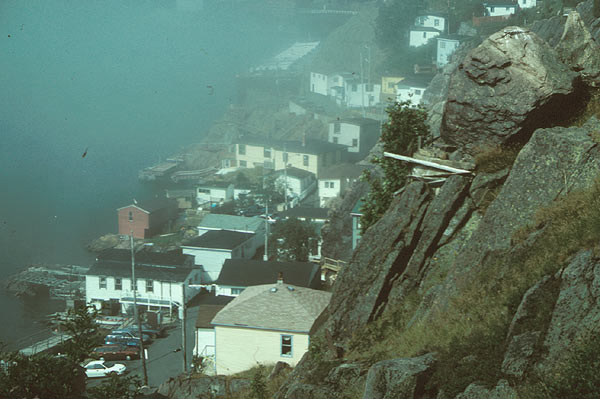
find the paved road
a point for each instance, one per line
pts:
(163, 360)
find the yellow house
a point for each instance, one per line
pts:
(310, 155)
(266, 324)
(388, 86)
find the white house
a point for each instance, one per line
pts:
(527, 3)
(214, 192)
(420, 35)
(297, 182)
(333, 182)
(337, 85)
(266, 324)
(431, 21)
(161, 280)
(319, 83)
(358, 134)
(357, 94)
(411, 89)
(446, 45)
(237, 274)
(242, 224)
(500, 8)
(212, 248)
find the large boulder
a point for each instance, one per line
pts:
(502, 391)
(578, 49)
(398, 378)
(504, 89)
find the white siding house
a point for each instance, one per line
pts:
(297, 182)
(500, 9)
(336, 180)
(211, 249)
(161, 280)
(319, 83)
(358, 134)
(214, 192)
(266, 324)
(420, 35)
(411, 90)
(357, 94)
(431, 21)
(446, 45)
(527, 3)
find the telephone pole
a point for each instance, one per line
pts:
(135, 311)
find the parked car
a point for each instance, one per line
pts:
(121, 339)
(102, 368)
(146, 329)
(116, 352)
(132, 334)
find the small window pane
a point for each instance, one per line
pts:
(286, 345)
(118, 284)
(102, 282)
(149, 286)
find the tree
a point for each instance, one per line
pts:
(400, 135)
(40, 376)
(258, 385)
(394, 20)
(116, 387)
(290, 240)
(82, 328)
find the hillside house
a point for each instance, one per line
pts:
(266, 324)
(527, 3)
(212, 248)
(161, 280)
(237, 274)
(446, 45)
(214, 192)
(388, 87)
(412, 89)
(500, 8)
(420, 35)
(430, 20)
(186, 198)
(359, 94)
(146, 218)
(358, 134)
(337, 86)
(319, 83)
(309, 155)
(356, 214)
(204, 335)
(297, 182)
(253, 225)
(335, 180)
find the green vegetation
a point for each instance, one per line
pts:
(494, 159)
(82, 327)
(258, 386)
(290, 240)
(260, 383)
(116, 387)
(400, 135)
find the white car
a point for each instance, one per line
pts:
(101, 368)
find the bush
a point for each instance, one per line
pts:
(494, 159)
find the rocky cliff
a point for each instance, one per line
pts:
(487, 286)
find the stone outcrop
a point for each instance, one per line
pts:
(398, 378)
(578, 49)
(187, 387)
(502, 391)
(509, 85)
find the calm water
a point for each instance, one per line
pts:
(125, 80)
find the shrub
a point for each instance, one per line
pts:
(494, 159)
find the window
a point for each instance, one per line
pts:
(130, 216)
(436, 22)
(354, 142)
(243, 164)
(284, 156)
(102, 283)
(118, 284)
(268, 164)
(442, 44)
(425, 35)
(507, 8)
(286, 345)
(149, 286)
(335, 140)
(305, 160)
(242, 149)
(354, 87)
(391, 85)
(491, 9)
(236, 291)
(329, 184)
(336, 128)
(418, 92)
(267, 153)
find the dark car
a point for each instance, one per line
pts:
(132, 334)
(146, 329)
(116, 352)
(121, 339)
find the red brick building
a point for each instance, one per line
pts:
(146, 218)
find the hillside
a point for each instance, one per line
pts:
(485, 287)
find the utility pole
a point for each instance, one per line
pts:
(266, 255)
(285, 194)
(362, 85)
(183, 329)
(135, 311)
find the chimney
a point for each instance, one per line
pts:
(280, 278)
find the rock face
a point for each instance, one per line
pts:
(501, 391)
(397, 378)
(578, 49)
(506, 87)
(216, 387)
